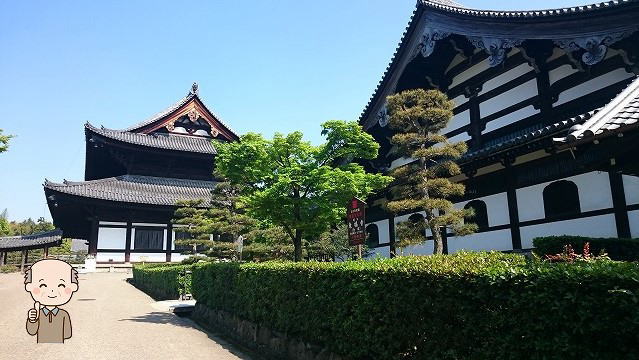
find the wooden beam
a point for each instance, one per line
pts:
(619, 203)
(45, 253)
(127, 246)
(2, 259)
(513, 210)
(25, 253)
(169, 241)
(391, 235)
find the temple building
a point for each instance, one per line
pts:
(133, 179)
(548, 102)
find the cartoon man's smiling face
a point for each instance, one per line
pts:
(51, 282)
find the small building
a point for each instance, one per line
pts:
(548, 103)
(24, 243)
(134, 178)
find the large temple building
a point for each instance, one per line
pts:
(548, 102)
(133, 179)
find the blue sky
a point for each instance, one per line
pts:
(262, 66)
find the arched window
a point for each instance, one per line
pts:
(481, 214)
(561, 198)
(372, 235)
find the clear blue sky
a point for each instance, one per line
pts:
(263, 66)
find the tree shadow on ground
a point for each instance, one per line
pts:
(159, 317)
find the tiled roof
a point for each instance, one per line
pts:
(618, 115)
(452, 7)
(525, 136)
(27, 241)
(137, 189)
(161, 141)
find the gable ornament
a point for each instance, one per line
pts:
(496, 48)
(595, 47)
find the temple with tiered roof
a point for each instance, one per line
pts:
(134, 178)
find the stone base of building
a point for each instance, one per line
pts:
(266, 342)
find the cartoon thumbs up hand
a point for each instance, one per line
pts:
(34, 313)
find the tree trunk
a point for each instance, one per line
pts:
(297, 242)
(438, 248)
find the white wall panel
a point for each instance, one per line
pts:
(400, 162)
(423, 249)
(508, 98)
(112, 223)
(506, 77)
(491, 240)
(148, 257)
(459, 120)
(383, 251)
(460, 100)
(592, 85)
(177, 257)
(595, 226)
(496, 206)
(111, 238)
(109, 257)
(510, 118)
(382, 229)
(633, 218)
(594, 194)
(459, 137)
(560, 72)
(631, 189)
(472, 71)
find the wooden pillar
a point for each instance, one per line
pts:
(619, 203)
(391, 235)
(93, 237)
(2, 258)
(127, 246)
(25, 253)
(513, 210)
(169, 241)
(45, 253)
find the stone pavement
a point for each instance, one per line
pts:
(111, 319)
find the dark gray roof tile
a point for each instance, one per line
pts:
(137, 189)
(161, 141)
(38, 240)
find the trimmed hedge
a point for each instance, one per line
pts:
(161, 282)
(617, 249)
(463, 306)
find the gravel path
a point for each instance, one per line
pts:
(111, 320)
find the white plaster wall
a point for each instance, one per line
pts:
(510, 118)
(382, 228)
(459, 120)
(382, 251)
(460, 100)
(496, 206)
(508, 98)
(506, 77)
(148, 257)
(111, 238)
(491, 240)
(459, 137)
(594, 194)
(631, 189)
(112, 223)
(424, 249)
(150, 224)
(592, 85)
(177, 257)
(400, 162)
(633, 218)
(594, 226)
(107, 257)
(560, 72)
(472, 71)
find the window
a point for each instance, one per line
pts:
(561, 198)
(372, 235)
(149, 238)
(182, 235)
(481, 214)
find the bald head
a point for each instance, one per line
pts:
(51, 282)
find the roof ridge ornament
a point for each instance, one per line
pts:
(194, 89)
(430, 36)
(495, 47)
(382, 116)
(596, 46)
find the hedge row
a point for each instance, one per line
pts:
(464, 306)
(617, 249)
(161, 282)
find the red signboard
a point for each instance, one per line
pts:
(356, 222)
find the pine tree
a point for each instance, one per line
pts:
(418, 116)
(223, 216)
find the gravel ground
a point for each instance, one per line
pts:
(111, 319)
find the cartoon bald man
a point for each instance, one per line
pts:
(51, 283)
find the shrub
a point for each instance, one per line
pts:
(617, 249)
(463, 306)
(8, 269)
(162, 282)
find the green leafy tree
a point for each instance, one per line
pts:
(224, 215)
(333, 244)
(300, 187)
(418, 116)
(5, 228)
(4, 141)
